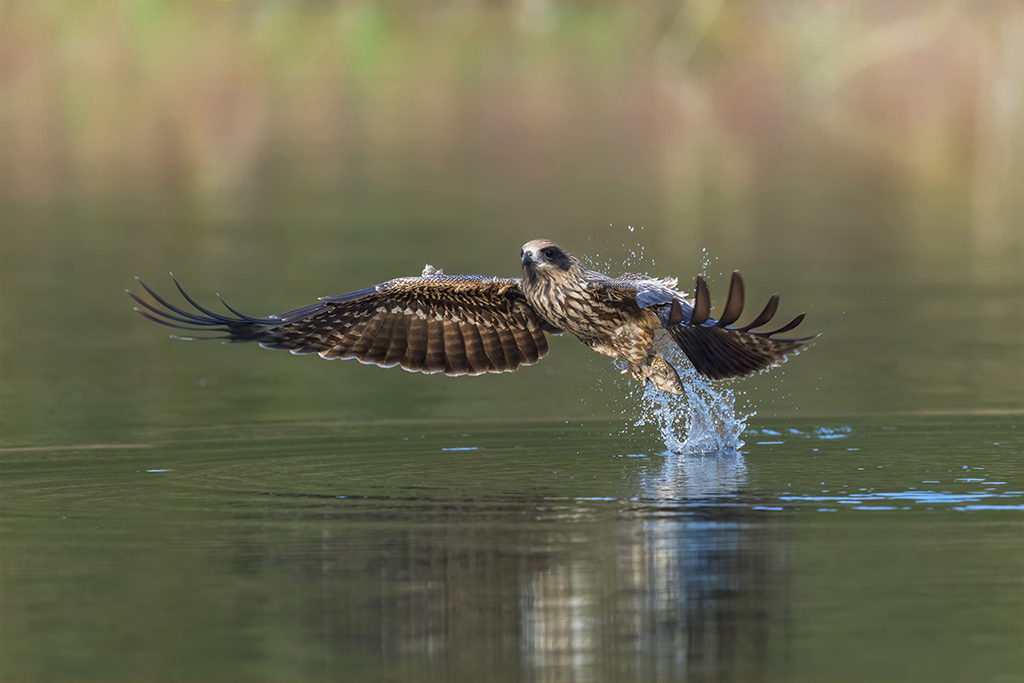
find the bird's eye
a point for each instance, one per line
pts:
(550, 253)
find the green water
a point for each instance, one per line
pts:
(175, 511)
(873, 549)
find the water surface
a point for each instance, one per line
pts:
(524, 551)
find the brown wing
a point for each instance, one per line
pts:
(719, 350)
(456, 324)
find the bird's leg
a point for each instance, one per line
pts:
(658, 372)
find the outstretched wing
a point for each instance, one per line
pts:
(717, 348)
(456, 324)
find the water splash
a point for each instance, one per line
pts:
(701, 420)
(706, 259)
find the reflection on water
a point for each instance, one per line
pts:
(698, 477)
(672, 579)
(685, 585)
(541, 554)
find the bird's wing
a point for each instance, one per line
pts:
(717, 348)
(455, 324)
(720, 350)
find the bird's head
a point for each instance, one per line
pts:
(544, 256)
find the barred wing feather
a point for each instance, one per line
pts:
(455, 324)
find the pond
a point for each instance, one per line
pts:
(196, 511)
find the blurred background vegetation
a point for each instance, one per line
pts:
(865, 160)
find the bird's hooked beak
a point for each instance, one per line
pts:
(527, 258)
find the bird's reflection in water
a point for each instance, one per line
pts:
(691, 586)
(674, 578)
(699, 478)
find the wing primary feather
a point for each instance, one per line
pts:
(160, 321)
(476, 357)
(214, 316)
(341, 342)
(701, 303)
(367, 336)
(494, 349)
(434, 357)
(183, 338)
(785, 328)
(676, 313)
(670, 314)
(456, 362)
(734, 302)
(353, 296)
(510, 349)
(399, 341)
(196, 319)
(540, 342)
(165, 316)
(764, 316)
(377, 350)
(242, 316)
(415, 345)
(527, 344)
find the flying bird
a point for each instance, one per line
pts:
(473, 324)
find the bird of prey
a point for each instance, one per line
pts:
(472, 324)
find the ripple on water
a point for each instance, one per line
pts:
(917, 499)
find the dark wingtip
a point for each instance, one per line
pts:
(765, 315)
(241, 316)
(785, 328)
(199, 318)
(718, 350)
(734, 302)
(701, 302)
(676, 313)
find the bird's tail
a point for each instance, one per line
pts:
(718, 349)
